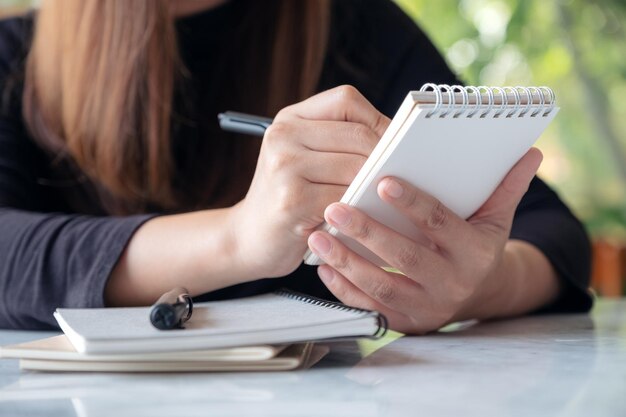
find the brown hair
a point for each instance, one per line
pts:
(101, 79)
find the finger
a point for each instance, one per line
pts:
(438, 223)
(351, 295)
(310, 198)
(330, 168)
(420, 263)
(343, 103)
(344, 137)
(499, 209)
(322, 136)
(395, 291)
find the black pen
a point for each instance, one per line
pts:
(249, 124)
(172, 309)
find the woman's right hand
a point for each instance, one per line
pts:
(309, 156)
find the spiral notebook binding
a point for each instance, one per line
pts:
(497, 101)
(381, 320)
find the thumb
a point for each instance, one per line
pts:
(499, 209)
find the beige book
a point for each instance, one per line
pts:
(58, 354)
(60, 348)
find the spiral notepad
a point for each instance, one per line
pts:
(275, 318)
(455, 143)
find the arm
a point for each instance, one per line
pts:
(51, 260)
(524, 281)
(196, 250)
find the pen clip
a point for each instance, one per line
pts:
(186, 298)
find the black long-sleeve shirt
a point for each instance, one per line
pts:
(53, 254)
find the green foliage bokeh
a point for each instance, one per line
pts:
(577, 47)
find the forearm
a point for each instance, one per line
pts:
(194, 250)
(523, 282)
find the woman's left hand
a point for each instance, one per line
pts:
(455, 277)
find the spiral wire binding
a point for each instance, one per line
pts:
(465, 103)
(524, 98)
(504, 101)
(294, 295)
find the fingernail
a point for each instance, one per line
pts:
(393, 188)
(320, 244)
(325, 274)
(338, 215)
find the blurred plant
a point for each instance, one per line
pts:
(577, 47)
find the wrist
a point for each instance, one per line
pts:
(196, 250)
(235, 251)
(523, 281)
(494, 294)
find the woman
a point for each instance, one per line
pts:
(117, 185)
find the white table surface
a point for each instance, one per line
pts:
(568, 365)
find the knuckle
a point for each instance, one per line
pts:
(342, 262)
(407, 258)
(384, 292)
(347, 93)
(363, 231)
(302, 230)
(354, 164)
(381, 123)
(364, 138)
(277, 132)
(410, 198)
(283, 113)
(438, 217)
(360, 133)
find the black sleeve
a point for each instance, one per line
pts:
(541, 218)
(55, 260)
(47, 259)
(412, 59)
(544, 221)
(377, 48)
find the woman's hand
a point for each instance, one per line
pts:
(469, 270)
(309, 156)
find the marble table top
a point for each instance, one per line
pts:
(552, 365)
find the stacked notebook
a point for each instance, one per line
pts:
(269, 332)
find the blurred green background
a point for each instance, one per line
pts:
(577, 47)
